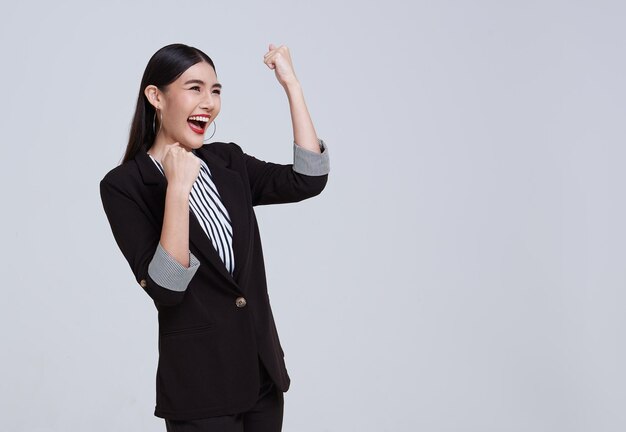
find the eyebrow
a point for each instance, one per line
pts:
(197, 81)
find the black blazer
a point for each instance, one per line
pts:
(209, 344)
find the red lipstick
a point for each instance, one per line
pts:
(198, 122)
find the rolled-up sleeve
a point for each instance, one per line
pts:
(311, 163)
(169, 273)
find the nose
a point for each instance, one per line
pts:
(208, 101)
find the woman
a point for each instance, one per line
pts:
(182, 214)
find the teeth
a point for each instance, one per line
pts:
(199, 118)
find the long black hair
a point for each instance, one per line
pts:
(164, 67)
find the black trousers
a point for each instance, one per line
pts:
(265, 416)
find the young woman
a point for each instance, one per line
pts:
(182, 215)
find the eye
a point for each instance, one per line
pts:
(217, 91)
(197, 88)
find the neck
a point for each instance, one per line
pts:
(159, 148)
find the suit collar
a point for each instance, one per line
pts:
(150, 174)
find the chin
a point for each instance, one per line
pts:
(192, 145)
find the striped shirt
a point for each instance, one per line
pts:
(206, 205)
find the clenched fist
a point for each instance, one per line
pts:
(279, 59)
(181, 167)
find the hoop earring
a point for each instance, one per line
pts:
(214, 129)
(154, 123)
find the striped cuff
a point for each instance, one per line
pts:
(169, 273)
(310, 163)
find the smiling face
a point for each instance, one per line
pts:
(187, 106)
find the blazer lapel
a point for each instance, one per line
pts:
(152, 177)
(232, 193)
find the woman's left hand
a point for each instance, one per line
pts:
(279, 59)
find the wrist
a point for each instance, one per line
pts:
(178, 190)
(292, 86)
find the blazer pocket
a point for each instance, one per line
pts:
(188, 330)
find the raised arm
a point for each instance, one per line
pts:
(304, 135)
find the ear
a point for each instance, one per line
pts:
(154, 96)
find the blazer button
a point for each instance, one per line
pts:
(143, 283)
(240, 302)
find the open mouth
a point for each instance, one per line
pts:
(198, 124)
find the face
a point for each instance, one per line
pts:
(188, 106)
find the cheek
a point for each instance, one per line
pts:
(179, 111)
(180, 101)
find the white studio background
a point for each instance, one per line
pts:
(463, 270)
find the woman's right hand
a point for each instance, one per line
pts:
(181, 167)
